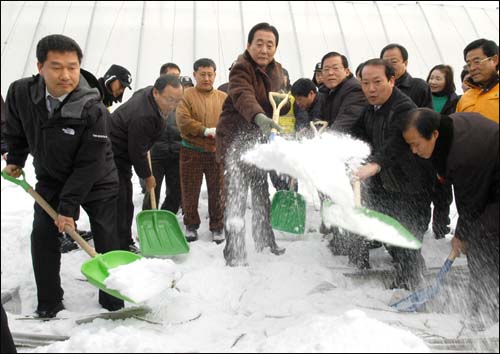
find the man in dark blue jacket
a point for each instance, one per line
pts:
(58, 118)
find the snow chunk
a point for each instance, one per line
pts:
(144, 278)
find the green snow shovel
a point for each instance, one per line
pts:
(288, 208)
(96, 270)
(159, 231)
(404, 239)
(411, 241)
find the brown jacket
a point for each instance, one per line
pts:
(249, 87)
(199, 110)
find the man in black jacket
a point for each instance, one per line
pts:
(58, 118)
(135, 127)
(395, 181)
(165, 158)
(344, 100)
(463, 148)
(417, 89)
(113, 84)
(307, 105)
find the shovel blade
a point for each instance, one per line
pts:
(413, 242)
(160, 233)
(288, 212)
(96, 270)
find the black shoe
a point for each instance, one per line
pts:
(324, 230)
(277, 250)
(218, 237)
(86, 235)
(49, 312)
(133, 248)
(191, 235)
(67, 244)
(113, 306)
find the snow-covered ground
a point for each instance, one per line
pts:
(298, 302)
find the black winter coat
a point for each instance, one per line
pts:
(71, 151)
(135, 126)
(466, 154)
(343, 105)
(303, 117)
(401, 171)
(4, 144)
(416, 89)
(169, 144)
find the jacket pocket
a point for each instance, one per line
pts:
(61, 142)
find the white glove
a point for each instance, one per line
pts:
(209, 132)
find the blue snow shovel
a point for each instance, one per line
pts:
(416, 300)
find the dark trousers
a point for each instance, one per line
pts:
(193, 165)
(441, 198)
(283, 182)
(167, 169)
(413, 212)
(45, 253)
(125, 209)
(7, 341)
(239, 177)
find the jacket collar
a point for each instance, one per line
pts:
(386, 107)
(269, 67)
(487, 87)
(73, 104)
(339, 86)
(404, 81)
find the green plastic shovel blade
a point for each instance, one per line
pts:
(160, 233)
(96, 270)
(288, 212)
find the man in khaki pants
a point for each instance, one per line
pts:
(197, 117)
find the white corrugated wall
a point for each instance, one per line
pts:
(142, 35)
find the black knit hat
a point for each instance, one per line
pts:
(120, 73)
(186, 80)
(317, 68)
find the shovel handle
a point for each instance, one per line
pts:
(276, 109)
(323, 123)
(357, 192)
(21, 181)
(152, 192)
(52, 213)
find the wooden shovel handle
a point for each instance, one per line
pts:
(357, 192)
(276, 109)
(323, 123)
(152, 192)
(53, 214)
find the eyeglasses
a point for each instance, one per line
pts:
(475, 61)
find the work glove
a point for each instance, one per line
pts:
(209, 132)
(266, 124)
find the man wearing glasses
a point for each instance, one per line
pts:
(135, 126)
(481, 57)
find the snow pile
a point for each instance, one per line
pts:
(324, 164)
(143, 279)
(351, 332)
